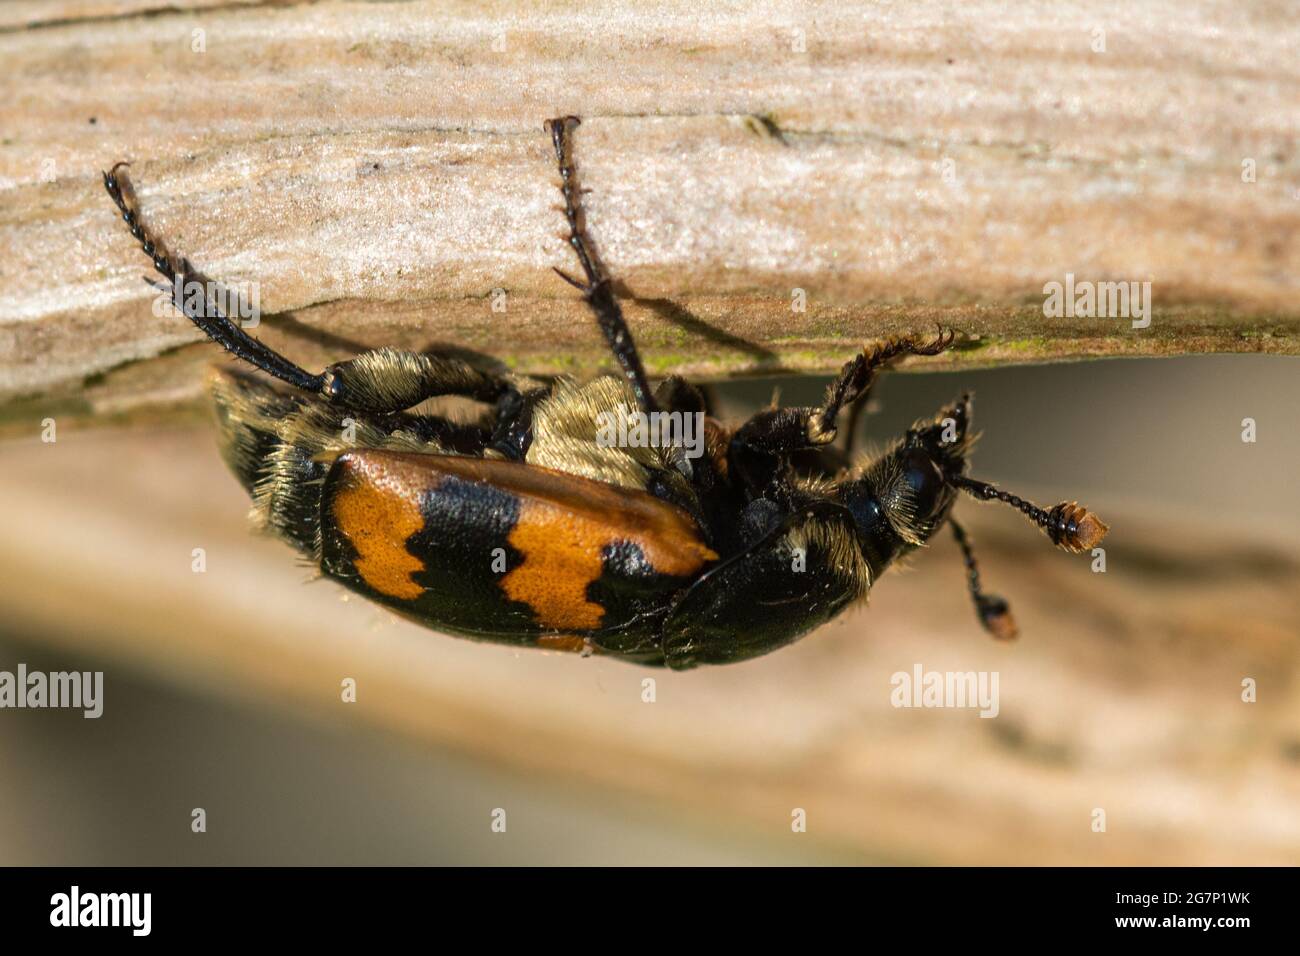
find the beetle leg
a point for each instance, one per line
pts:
(761, 448)
(183, 279)
(385, 381)
(853, 385)
(597, 288)
(993, 612)
(389, 380)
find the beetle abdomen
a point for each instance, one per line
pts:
(502, 549)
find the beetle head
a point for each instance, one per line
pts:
(899, 499)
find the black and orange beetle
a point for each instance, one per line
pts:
(523, 528)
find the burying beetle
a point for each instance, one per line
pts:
(522, 528)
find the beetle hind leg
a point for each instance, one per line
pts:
(385, 381)
(183, 281)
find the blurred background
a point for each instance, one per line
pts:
(222, 688)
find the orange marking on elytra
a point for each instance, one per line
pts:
(562, 547)
(561, 557)
(377, 522)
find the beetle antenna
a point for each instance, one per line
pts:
(993, 611)
(1070, 525)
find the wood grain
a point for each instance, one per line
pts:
(379, 169)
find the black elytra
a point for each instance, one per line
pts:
(526, 525)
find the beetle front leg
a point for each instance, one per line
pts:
(761, 448)
(854, 382)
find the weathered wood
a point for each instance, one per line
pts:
(378, 169)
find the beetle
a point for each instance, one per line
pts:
(522, 527)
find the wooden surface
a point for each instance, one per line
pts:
(380, 168)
